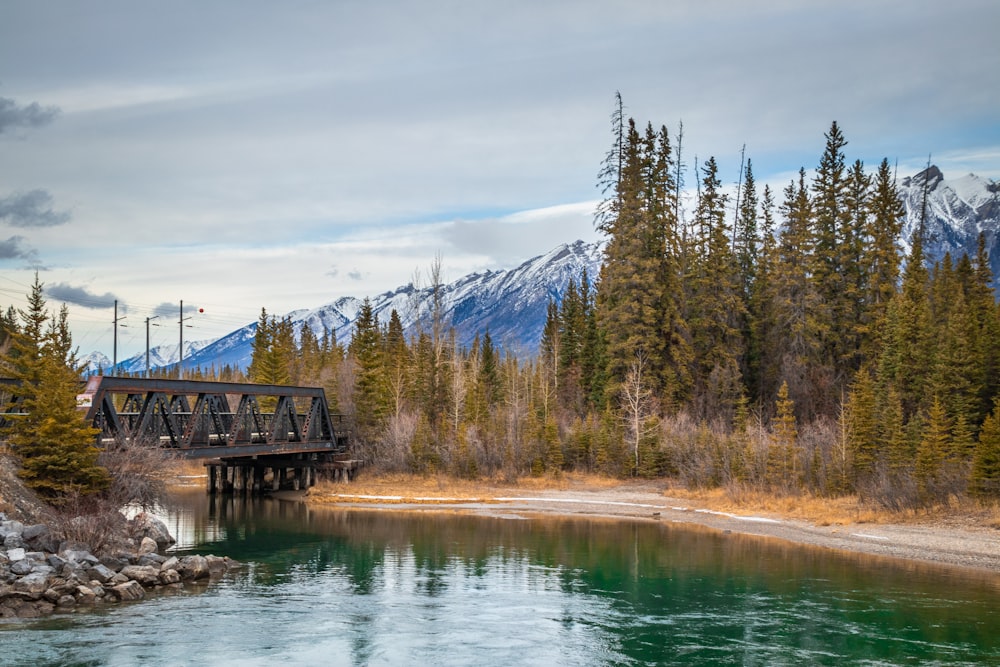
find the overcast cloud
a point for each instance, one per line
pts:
(31, 209)
(13, 115)
(252, 154)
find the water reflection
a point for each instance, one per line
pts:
(335, 586)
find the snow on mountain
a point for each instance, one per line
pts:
(159, 356)
(511, 304)
(957, 211)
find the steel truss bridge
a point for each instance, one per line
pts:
(245, 430)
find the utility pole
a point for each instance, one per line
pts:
(180, 362)
(114, 353)
(147, 341)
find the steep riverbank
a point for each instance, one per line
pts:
(967, 546)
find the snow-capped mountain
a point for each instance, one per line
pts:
(957, 211)
(512, 303)
(159, 356)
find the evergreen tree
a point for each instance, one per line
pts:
(985, 479)
(55, 445)
(882, 258)
(717, 312)
(371, 393)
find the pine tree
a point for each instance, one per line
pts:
(783, 453)
(717, 312)
(882, 259)
(934, 445)
(985, 478)
(371, 393)
(55, 445)
(863, 427)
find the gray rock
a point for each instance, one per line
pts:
(55, 561)
(13, 541)
(32, 585)
(169, 564)
(43, 567)
(79, 556)
(114, 563)
(33, 532)
(193, 567)
(11, 528)
(21, 567)
(101, 573)
(148, 546)
(169, 576)
(16, 554)
(119, 578)
(85, 595)
(152, 559)
(128, 591)
(216, 565)
(147, 575)
(147, 525)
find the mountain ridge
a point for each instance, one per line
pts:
(511, 303)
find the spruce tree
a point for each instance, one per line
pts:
(55, 445)
(985, 478)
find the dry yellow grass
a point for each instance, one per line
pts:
(397, 488)
(839, 511)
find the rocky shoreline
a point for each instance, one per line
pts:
(39, 574)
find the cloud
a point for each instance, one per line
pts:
(80, 296)
(355, 275)
(31, 209)
(32, 115)
(168, 310)
(13, 248)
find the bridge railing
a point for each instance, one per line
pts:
(213, 419)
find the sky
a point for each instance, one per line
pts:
(246, 155)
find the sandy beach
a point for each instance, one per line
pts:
(973, 547)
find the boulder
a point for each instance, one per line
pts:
(147, 575)
(16, 554)
(114, 562)
(78, 555)
(13, 541)
(66, 601)
(11, 528)
(31, 586)
(169, 576)
(101, 573)
(216, 565)
(147, 525)
(152, 559)
(129, 591)
(85, 595)
(169, 564)
(55, 562)
(40, 537)
(148, 546)
(193, 567)
(21, 567)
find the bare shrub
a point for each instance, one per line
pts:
(394, 446)
(90, 520)
(139, 472)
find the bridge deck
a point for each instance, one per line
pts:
(214, 419)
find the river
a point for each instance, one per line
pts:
(366, 587)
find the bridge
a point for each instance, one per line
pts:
(253, 437)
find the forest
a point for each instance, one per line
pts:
(778, 342)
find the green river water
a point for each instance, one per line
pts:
(357, 587)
